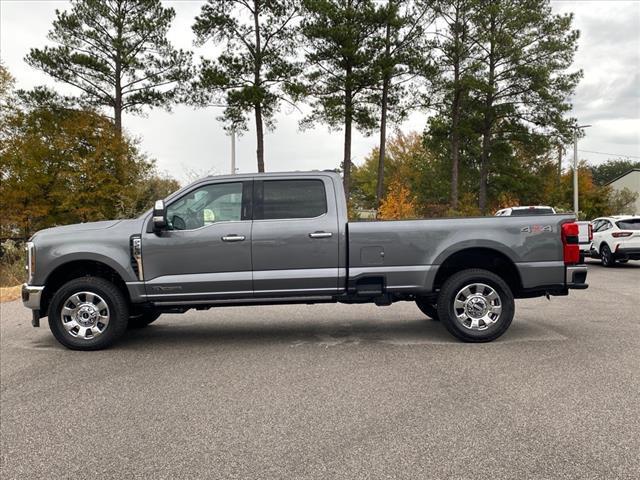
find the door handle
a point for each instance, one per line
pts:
(233, 238)
(321, 234)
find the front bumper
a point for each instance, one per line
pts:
(31, 296)
(576, 277)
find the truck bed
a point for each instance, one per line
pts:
(410, 253)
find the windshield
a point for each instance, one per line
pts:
(531, 211)
(630, 224)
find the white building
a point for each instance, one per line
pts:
(630, 180)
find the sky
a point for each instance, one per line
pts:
(188, 141)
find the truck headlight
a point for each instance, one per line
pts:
(31, 261)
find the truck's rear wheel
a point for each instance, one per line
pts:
(476, 305)
(88, 313)
(429, 309)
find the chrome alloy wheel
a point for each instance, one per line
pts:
(477, 306)
(85, 315)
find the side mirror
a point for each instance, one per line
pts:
(159, 216)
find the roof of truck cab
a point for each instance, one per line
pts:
(306, 173)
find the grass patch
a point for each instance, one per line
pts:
(12, 263)
(9, 294)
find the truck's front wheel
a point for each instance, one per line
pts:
(476, 305)
(88, 313)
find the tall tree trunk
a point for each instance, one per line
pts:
(346, 161)
(259, 137)
(117, 104)
(484, 168)
(383, 143)
(455, 113)
(488, 121)
(117, 114)
(117, 101)
(559, 179)
(257, 81)
(386, 83)
(455, 145)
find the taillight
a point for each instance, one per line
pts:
(570, 247)
(621, 234)
(590, 232)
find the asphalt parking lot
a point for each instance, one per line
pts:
(333, 391)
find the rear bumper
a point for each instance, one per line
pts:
(586, 247)
(632, 253)
(576, 277)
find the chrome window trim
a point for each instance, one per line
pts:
(207, 226)
(297, 219)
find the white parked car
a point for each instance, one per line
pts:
(530, 210)
(616, 239)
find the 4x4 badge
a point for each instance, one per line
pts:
(536, 228)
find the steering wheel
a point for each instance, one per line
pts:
(192, 219)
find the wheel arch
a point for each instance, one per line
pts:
(486, 258)
(78, 268)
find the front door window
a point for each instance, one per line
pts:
(220, 202)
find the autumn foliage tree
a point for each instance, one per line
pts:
(399, 203)
(61, 165)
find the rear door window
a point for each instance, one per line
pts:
(286, 199)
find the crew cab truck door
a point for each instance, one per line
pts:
(205, 252)
(295, 237)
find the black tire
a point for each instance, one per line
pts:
(454, 286)
(429, 309)
(606, 257)
(115, 300)
(143, 319)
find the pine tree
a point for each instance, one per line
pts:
(403, 59)
(255, 69)
(524, 52)
(339, 37)
(116, 53)
(455, 47)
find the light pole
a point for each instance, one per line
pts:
(575, 166)
(233, 138)
(233, 151)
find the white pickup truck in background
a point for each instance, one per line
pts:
(585, 238)
(585, 234)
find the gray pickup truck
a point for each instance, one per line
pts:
(284, 238)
